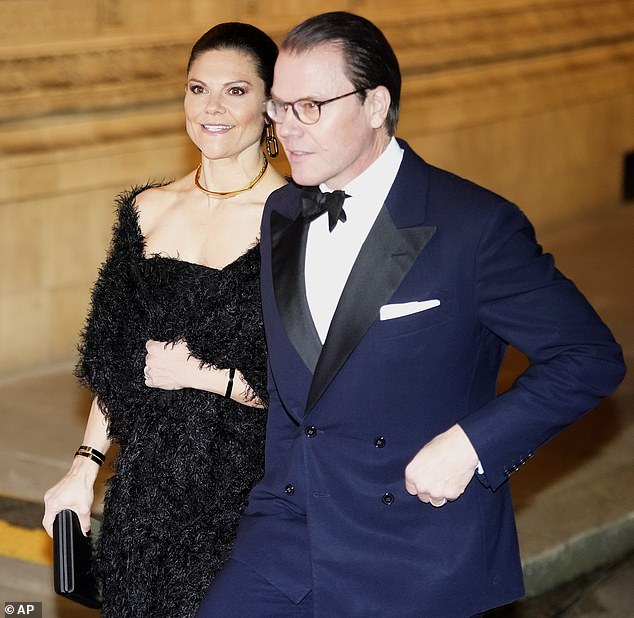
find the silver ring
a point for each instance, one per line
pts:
(442, 503)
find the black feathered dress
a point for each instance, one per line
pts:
(187, 458)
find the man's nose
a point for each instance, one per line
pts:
(289, 124)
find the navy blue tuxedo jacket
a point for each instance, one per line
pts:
(332, 514)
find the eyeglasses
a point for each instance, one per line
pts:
(306, 111)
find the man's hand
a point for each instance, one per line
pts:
(442, 469)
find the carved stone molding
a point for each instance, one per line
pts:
(79, 79)
(31, 21)
(516, 33)
(432, 101)
(107, 72)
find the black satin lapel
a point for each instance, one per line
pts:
(385, 258)
(288, 246)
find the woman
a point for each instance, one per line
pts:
(174, 350)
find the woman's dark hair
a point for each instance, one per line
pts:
(370, 59)
(241, 37)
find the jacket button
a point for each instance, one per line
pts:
(289, 490)
(311, 431)
(388, 498)
(379, 442)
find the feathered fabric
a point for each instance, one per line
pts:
(187, 458)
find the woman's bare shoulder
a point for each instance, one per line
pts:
(154, 202)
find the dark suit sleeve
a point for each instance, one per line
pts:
(574, 361)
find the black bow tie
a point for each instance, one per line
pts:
(315, 203)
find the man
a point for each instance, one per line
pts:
(386, 325)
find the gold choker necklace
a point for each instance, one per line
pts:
(225, 194)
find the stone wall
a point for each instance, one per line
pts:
(531, 98)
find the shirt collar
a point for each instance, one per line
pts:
(373, 184)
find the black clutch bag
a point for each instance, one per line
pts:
(73, 577)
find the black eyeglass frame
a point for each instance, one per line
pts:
(318, 104)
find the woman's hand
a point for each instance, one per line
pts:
(74, 491)
(170, 366)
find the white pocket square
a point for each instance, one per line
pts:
(398, 310)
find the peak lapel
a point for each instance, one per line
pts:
(288, 245)
(385, 258)
(396, 239)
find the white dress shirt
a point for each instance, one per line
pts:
(330, 256)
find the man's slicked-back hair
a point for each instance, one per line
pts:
(369, 58)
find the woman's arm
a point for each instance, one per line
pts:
(171, 366)
(75, 490)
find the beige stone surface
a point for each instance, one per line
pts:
(69, 306)
(542, 161)
(21, 252)
(62, 172)
(24, 330)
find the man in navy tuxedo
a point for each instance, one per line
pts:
(390, 291)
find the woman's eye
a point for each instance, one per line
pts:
(236, 91)
(196, 89)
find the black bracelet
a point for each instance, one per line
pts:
(91, 453)
(232, 373)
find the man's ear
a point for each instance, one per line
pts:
(378, 103)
